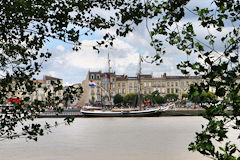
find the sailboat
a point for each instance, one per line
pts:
(126, 113)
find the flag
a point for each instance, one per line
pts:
(107, 76)
(91, 83)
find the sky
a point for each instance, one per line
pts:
(73, 66)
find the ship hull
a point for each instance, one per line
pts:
(145, 113)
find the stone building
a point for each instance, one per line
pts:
(123, 85)
(48, 83)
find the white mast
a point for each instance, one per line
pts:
(109, 81)
(139, 83)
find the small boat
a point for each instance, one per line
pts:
(142, 113)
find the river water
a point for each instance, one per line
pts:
(155, 138)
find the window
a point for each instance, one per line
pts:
(176, 90)
(135, 85)
(145, 84)
(182, 83)
(119, 91)
(130, 85)
(154, 83)
(168, 90)
(113, 86)
(123, 84)
(159, 83)
(159, 90)
(135, 90)
(172, 90)
(92, 76)
(172, 84)
(168, 84)
(182, 90)
(176, 83)
(150, 84)
(98, 76)
(163, 90)
(118, 84)
(145, 92)
(149, 91)
(98, 98)
(187, 83)
(123, 90)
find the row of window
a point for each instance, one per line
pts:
(168, 90)
(168, 83)
(145, 84)
(97, 77)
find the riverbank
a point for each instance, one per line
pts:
(183, 112)
(170, 112)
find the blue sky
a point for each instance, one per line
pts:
(73, 67)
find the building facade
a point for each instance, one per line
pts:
(45, 89)
(123, 85)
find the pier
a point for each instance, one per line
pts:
(65, 113)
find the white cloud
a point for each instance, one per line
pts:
(73, 66)
(86, 58)
(60, 48)
(52, 73)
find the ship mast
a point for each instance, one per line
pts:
(139, 83)
(109, 82)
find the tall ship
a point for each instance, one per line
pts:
(124, 112)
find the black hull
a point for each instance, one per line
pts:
(122, 114)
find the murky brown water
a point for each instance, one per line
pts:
(160, 138)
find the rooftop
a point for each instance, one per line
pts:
(50, 78)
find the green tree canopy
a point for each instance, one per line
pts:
(184, 95)
(203, 97)
(155, 98)
(171, 97)
(159, 99)
(148, 97)
(118, 99)
(130, 98)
